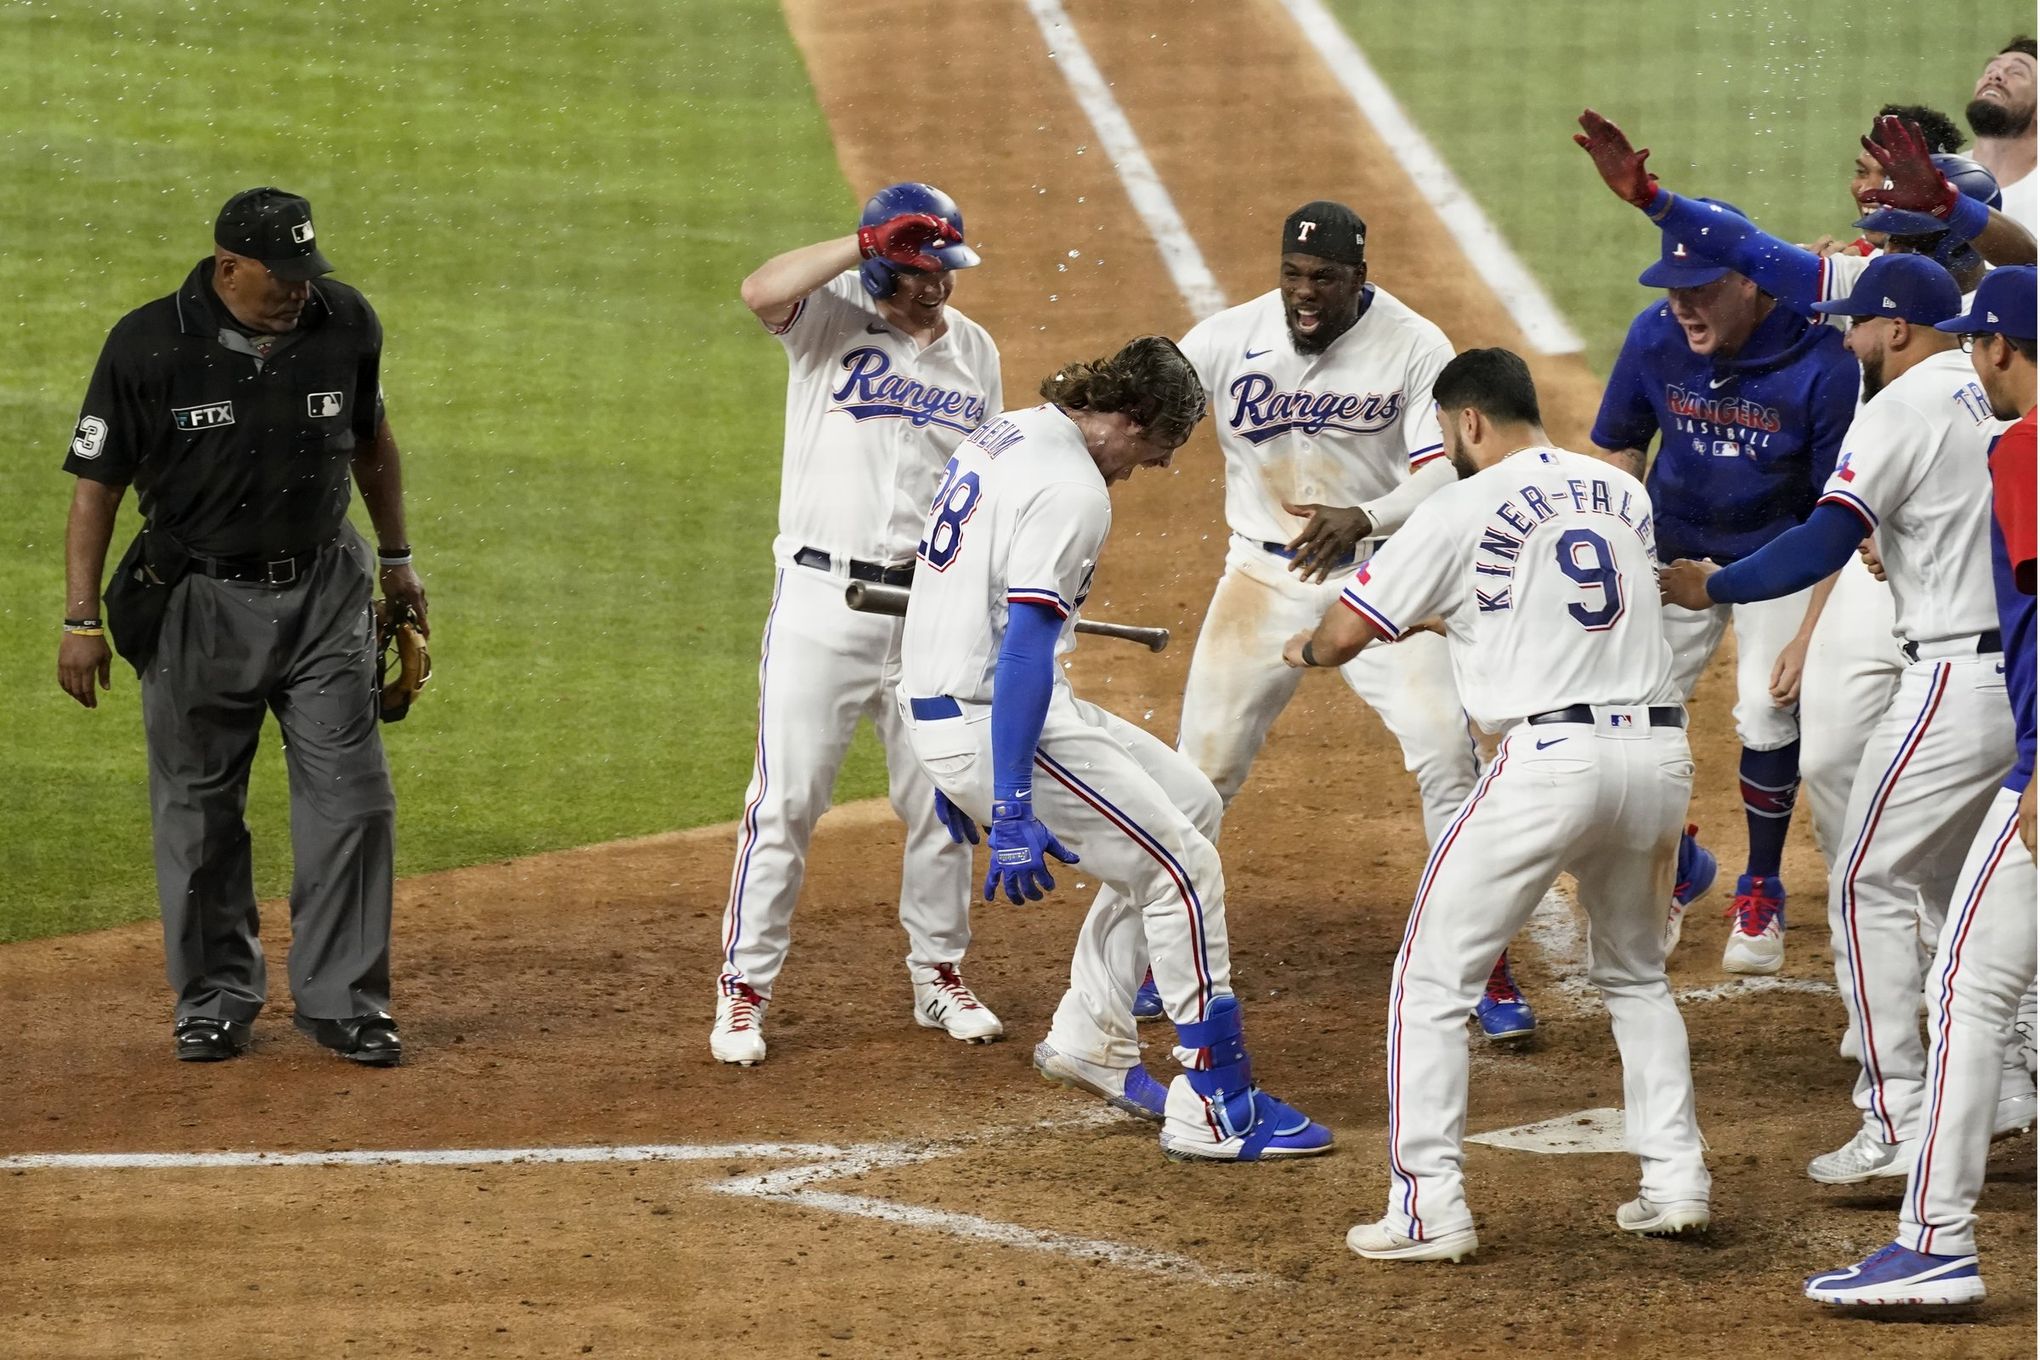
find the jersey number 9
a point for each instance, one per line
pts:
(952, 510)
(1585, 557)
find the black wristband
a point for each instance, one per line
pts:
(1309, 658)
(84, 623)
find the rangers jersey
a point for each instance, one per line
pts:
(1914, 467)
(871, 417)
(1021, 516)
(1339, 428)
(1544, 569)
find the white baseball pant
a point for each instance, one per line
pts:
(1238, 683)
(1930, 768)
(1852, 665)
(823, 664)
(1142, 820)
(1987, 957)
(1606, 803)
(1762, 630)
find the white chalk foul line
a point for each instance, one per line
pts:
(1484, 246)
(786, 1185)
(1745, 986)
(1185, 262)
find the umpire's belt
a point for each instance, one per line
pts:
(1987, 643)
(1283, 550)
(1661, 715)
(941, 706)
(859, 571)
(260, 571)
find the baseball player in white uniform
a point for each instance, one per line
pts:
(1913, 474)
(1005, 563)
(1541, 563)
(1322, 397)
(884, 380)
(1987, 947)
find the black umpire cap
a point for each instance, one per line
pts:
(1330, 231)
(274, 227)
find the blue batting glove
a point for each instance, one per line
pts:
(1020, 849)
(961, 828)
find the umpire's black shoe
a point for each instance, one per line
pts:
(368, 1039)
(202, 1038)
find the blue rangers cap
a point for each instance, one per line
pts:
(2003, 305)
(1680, 266)
(1910, 287)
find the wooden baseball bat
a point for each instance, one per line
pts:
(869, 597)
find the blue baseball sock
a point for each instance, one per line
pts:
(1770, 786)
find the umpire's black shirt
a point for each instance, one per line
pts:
(233, 454)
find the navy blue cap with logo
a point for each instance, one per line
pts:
(1327, 231)
(1679, 265)
(2003, 305)
(1910, 287)
(275, 227)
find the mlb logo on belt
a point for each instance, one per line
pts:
(206, 416)
(1621, 720)
(322, 404)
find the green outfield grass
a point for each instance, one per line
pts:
(1755, 101)
(551, 207)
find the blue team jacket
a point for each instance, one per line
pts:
(1747, 441)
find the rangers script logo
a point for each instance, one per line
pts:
(1260, 412)
(872, 391)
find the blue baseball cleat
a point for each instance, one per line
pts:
(1130, 1089)
(1690, 881)
(1898, 1277)
(1502, 1012)
(1147, 1002)
(1218, 1114)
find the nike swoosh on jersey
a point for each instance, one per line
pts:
(1553, 742)
(1716, 382)
(1257, 353)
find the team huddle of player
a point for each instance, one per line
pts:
(1398, 512)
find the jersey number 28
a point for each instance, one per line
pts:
(952, 509)
(1585, 557)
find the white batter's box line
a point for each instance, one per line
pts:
(1747, 986)
(1150, 197)
(1484, 246)
(787, 1185)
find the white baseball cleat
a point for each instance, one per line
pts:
(1756, 939)
(1863, 1158)
(1677, 1218)
(1125, 1088)
(739, 1033)
(1379, 1242)
(945, 1002)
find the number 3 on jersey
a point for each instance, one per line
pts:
(952, 509)
(1585, 557)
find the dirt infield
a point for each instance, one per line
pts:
(876, 1189)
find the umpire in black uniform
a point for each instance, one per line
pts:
(238, 406)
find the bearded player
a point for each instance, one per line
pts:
(1322, 393)
(884, 380)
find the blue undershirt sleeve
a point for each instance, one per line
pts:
(1778, 267)
(1022, 682)
(1792, 561)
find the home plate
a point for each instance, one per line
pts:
(1587, 1131)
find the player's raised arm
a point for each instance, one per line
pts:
(774, 289)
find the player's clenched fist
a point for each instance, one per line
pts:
(905, 240)
(1684, 583)
(1020, 849)
(1620, 165)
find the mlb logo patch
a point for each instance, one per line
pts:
(301, 232)
(209, 415)
(322, 404)
(1621, 720)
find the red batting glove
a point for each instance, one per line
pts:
(1911, 179)
(905, 239)
(1620, 165)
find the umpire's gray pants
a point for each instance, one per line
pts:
(306, 652)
